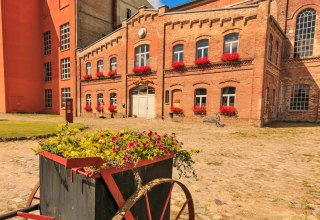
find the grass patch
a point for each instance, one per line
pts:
(26, 129)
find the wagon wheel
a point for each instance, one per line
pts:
(144, 192)
(33, 196)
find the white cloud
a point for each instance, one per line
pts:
(155, 3)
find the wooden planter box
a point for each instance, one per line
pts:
(66, 195)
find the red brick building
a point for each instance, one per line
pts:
(276, 76)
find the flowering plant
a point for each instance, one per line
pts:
(87, 76)
(99, 108)
(88, 108)
(112, 108)
(112, 73)
(141, 69)
(202, 61)
(230, 57)
(199, 110)
(177, 64)
(119, 148)
(99, 74)
(176, 110)
(228, 110)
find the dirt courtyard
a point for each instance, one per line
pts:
(244, 172)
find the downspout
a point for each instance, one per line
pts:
(80, 89)
(286, 21)
(163, 70)
(75, 55)
(127, 91)
(4, 57)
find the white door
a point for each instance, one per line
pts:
(143, 102)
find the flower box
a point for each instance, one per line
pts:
(99, 74)
(112, 73)
(178, 64)
(88, 108)
(141, 69)
(228, 110)
(230, 57)
(99, 108)
(199, 110)
(176, 110)
(202, 61)
(87, 76)
(112, 108)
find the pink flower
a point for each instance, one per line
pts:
(160, 146)
(114, 138)
(132, 144)
(115, 150)
(145, 145)
(150, 134)
(159, 139)
(126, 159)
(166, 151)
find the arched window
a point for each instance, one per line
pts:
(99, 99)
(202, 48)
(88, 68)
(304, 36)
(270, 45)
(228, 96)
(113, 98)
(100, 66)
(231, 43)
(113, 63)
(178, 52)
(300, 98)
(200, 97)
(276, 53)
(142, 55)
(88, 99)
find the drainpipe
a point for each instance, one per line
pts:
(163, 70)
(75, 55)
(286, 21)
(127, 91)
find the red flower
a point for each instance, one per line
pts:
(177, 64)
(199, 110)
(88, 108)
(87, 76)
(230, 57)
(202, 61)
(112, 108)
(99, 74)
(99, 108)
(141, 69)
(176, 110)
(112, 73)
(228, 110)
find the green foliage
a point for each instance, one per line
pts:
(119, 148)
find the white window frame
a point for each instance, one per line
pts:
(65, 68)
(48, 98)
(201, 97)
(303, 100)
(47, 43)
(47, 72)
(202, 49)
(65, 93)
(229, 96)
(65, 36)
(230, 43)
(88, 99)
(113, 99)
(178, 52)
(142, 57)
(113, 63)
(88, 68)
(100, 65)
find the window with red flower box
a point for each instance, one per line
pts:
(230, 57)
(87, 76)
(112, 108)
(228, 110)
(112, 73)
(141, 69)
(202, 61)
(177, 64)
(88, 108)
(199, 110)
(99, 74)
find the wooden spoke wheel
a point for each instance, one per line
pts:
(143, 192)
(34, 195)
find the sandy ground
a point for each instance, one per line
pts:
(244, 172)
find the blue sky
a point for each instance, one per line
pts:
(170, 3)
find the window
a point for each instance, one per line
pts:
(231, 43)
(228, 96)
(99, 99)
(178, 52)
(47, 72)
(167, 95)
(88, 99)
(65, 68)
(300, 98)
(200, 97)
(113, 63)
(276, 54)
(88, 68)
(48, 98)
(129, 13)
(65, 36)
(202, 48)
(143, 90)
(304, 36)
(47, 43)
(270, 45)
(100, 66)
(65, 93)
(142, 55)
(113, 98)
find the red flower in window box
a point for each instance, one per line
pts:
(88, 108)
(112, 108)
(112, 73)
(176, 110)
(141, 69)
(199, 110)
(99, 108)
(228, 110)
(177, 64)
(87, 76)
(202, 61)
(230, 57)
(99, 74)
